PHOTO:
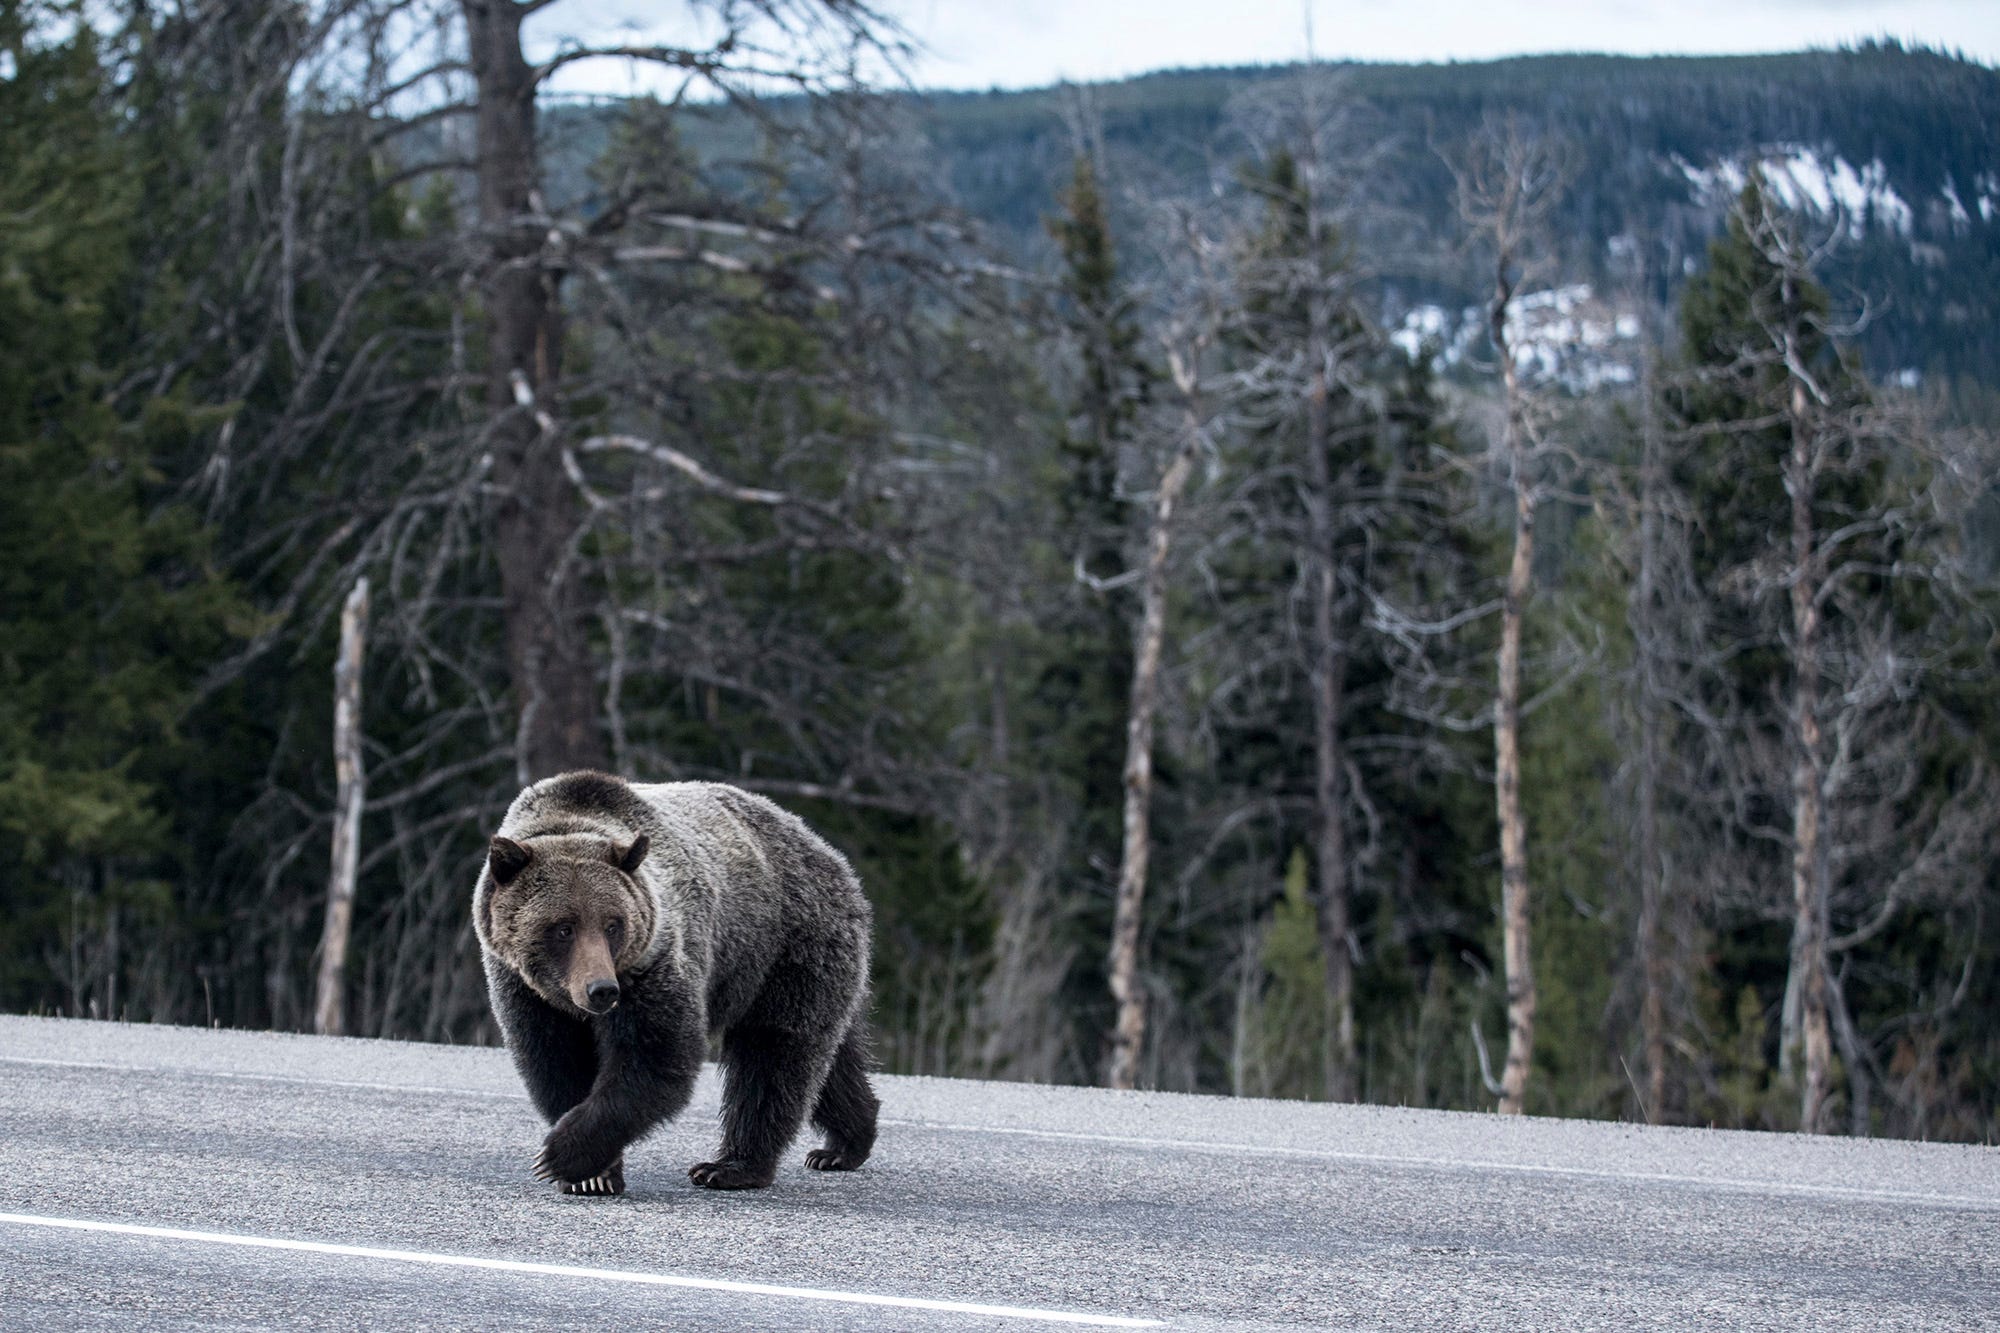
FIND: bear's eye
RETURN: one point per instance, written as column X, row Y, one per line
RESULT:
column 614, row 927
column 565, row 932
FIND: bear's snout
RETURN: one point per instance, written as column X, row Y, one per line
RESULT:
column 602, row 995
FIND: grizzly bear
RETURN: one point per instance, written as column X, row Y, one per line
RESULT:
column 622, row 924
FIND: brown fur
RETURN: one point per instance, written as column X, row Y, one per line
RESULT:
column 568, row 914
column 626, row 925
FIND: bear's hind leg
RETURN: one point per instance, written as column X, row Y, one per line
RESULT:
column 846, row 1107
column 769, row 1077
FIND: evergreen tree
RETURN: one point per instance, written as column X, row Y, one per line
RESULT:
column 1337, row 503
column 109, row 609
column 773, row 645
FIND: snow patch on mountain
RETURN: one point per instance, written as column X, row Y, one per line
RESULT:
column 1960, row 219
column 1805, row 181
column 1435, row 325
column 1567, row 337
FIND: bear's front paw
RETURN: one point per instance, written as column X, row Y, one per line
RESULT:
column 834, row 1159
column 610, row 1181
column 569, row 1156
column 729, row 1176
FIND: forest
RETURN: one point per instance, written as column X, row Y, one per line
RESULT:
column 1312, row 601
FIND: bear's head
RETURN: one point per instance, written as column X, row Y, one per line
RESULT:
column 568, row 916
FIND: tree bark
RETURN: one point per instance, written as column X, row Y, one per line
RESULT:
column 1514, row 905
column 1128, row 1032
column 548, row 655
column 350, row 794
column 1327, row 654
column 1809, row 853
column 110, row 958
column 1860, row 1119
column 1329, row 671
column 1646, row 629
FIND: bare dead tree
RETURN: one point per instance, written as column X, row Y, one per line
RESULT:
column 1129, row 1029
column 1675, row 739
column 1311, row 498
column 536, row 514
column 527, row 255
column 1653, row 963
column 1509, row 182
column 1326, row 357
column 351, row 795
column 1806, row 578
column 444, row 440
column 1648, row 518
column 1867, row 535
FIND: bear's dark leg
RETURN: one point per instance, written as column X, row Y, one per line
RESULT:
column 649, row 1052
column 846, row 1107
column 556, row 1054
column 769, row 1079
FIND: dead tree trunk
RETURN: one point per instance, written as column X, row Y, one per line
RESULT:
column 1508, row 183
column 1646, row 629
column 1514, row 913
column 1128, row 1032
column 1809, row 853
column 1326, row 655
column 1329, row 671
column 548, row 656
column 350, row 793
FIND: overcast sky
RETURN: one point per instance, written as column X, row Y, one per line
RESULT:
column 1023, row 43
column 1026, row 43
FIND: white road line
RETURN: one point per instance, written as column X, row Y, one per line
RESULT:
column 1981, row 1203
column 593, row 1274
column 1978, row 1202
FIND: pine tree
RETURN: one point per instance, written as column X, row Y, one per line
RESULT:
column 1316, row 392
column 109, row 611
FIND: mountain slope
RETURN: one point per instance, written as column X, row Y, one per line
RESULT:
column 1892, row 149
column 1895, row 148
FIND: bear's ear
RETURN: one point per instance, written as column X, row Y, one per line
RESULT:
column 628, row 860
column 508, row 859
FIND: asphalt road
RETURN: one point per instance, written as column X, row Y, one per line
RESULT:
column 180, row 1178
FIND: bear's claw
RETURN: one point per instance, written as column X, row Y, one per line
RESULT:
column 728, row 1176
column 833, row 1159
column 611, row 1180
